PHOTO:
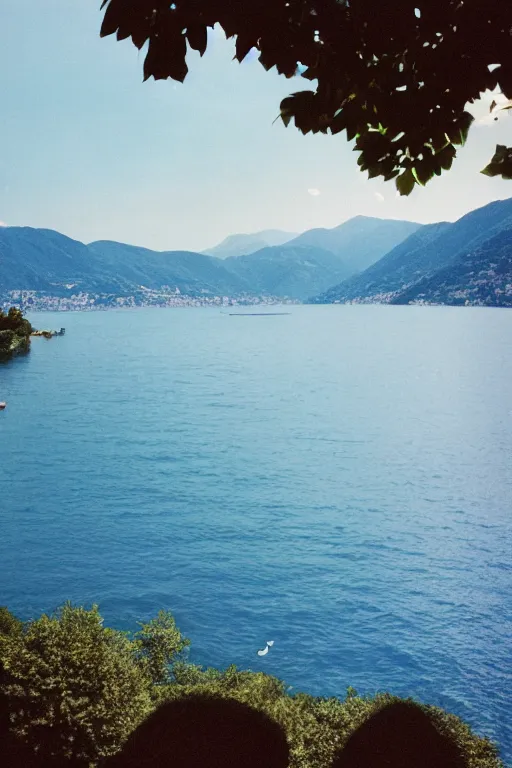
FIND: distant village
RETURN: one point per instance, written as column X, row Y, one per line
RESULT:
column 36, row 301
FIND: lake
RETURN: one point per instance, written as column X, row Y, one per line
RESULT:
column 338, row 480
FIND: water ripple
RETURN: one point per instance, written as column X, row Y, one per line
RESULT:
column 341, row 481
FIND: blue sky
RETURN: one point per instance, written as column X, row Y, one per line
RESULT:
column 88, row 149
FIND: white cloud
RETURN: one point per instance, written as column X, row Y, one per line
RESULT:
column 313, row 192
column 379, row 197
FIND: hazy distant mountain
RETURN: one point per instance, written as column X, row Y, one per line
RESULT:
column 237, row 245
column 360, row 241
column 401, row 266
column 428, row 250
column 288, row 271
column 189, row 271
column 482, row 276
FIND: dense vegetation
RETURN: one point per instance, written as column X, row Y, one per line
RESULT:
column 397, row 80
column 72, row 690
column 15, row 333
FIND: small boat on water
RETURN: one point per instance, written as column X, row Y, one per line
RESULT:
column 3, row 406
column 257, row 314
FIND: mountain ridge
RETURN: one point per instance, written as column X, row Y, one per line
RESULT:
column 49, row 262
column 243, row 244
column 287, row 271
column 435, row 263
column 421, row 255
column 480, row 277
column 360, row 241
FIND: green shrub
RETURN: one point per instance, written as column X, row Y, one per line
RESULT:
column 316, row 727
column 74, row 690
column 9, row 624
column 6, row 339
column 74, row 687
column 157, row 644
column 14, row 321
column 15, row 333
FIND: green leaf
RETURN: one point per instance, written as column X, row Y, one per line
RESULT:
column 405, row 182
column 422, row 174
column 458, row 133
column 501, row 163
column 374, row 170
column 445, row 157
column 493, row 169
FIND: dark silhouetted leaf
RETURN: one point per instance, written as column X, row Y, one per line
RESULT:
column 458, row 132
column 244, row 44
column 166, row 58
column 197, row 37
column 501, row 163
column 445, row 157
column 357, row 54
column 405, row 182
column 504, row 76
column 112, row 18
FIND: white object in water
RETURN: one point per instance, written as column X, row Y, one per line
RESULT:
column 270, row 642
column 264, row 652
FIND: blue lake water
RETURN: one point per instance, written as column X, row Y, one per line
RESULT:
column 338, row 480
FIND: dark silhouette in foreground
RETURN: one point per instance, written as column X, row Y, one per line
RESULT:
column 400, row 735
column 221, row 733
column 205, row 731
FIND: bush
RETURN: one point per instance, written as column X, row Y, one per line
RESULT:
column 9, row 624
column 156, row 644
column 74, row 690
column 14, row 321
column 316, row 728
column 6, row 339
column 15, row 333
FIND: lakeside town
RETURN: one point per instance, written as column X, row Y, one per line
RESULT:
column 37, row 301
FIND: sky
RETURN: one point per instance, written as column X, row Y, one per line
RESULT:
column 88, row 149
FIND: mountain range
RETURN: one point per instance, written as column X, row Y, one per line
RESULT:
column 407, row 272
column 364, row 260
column 46, row 261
